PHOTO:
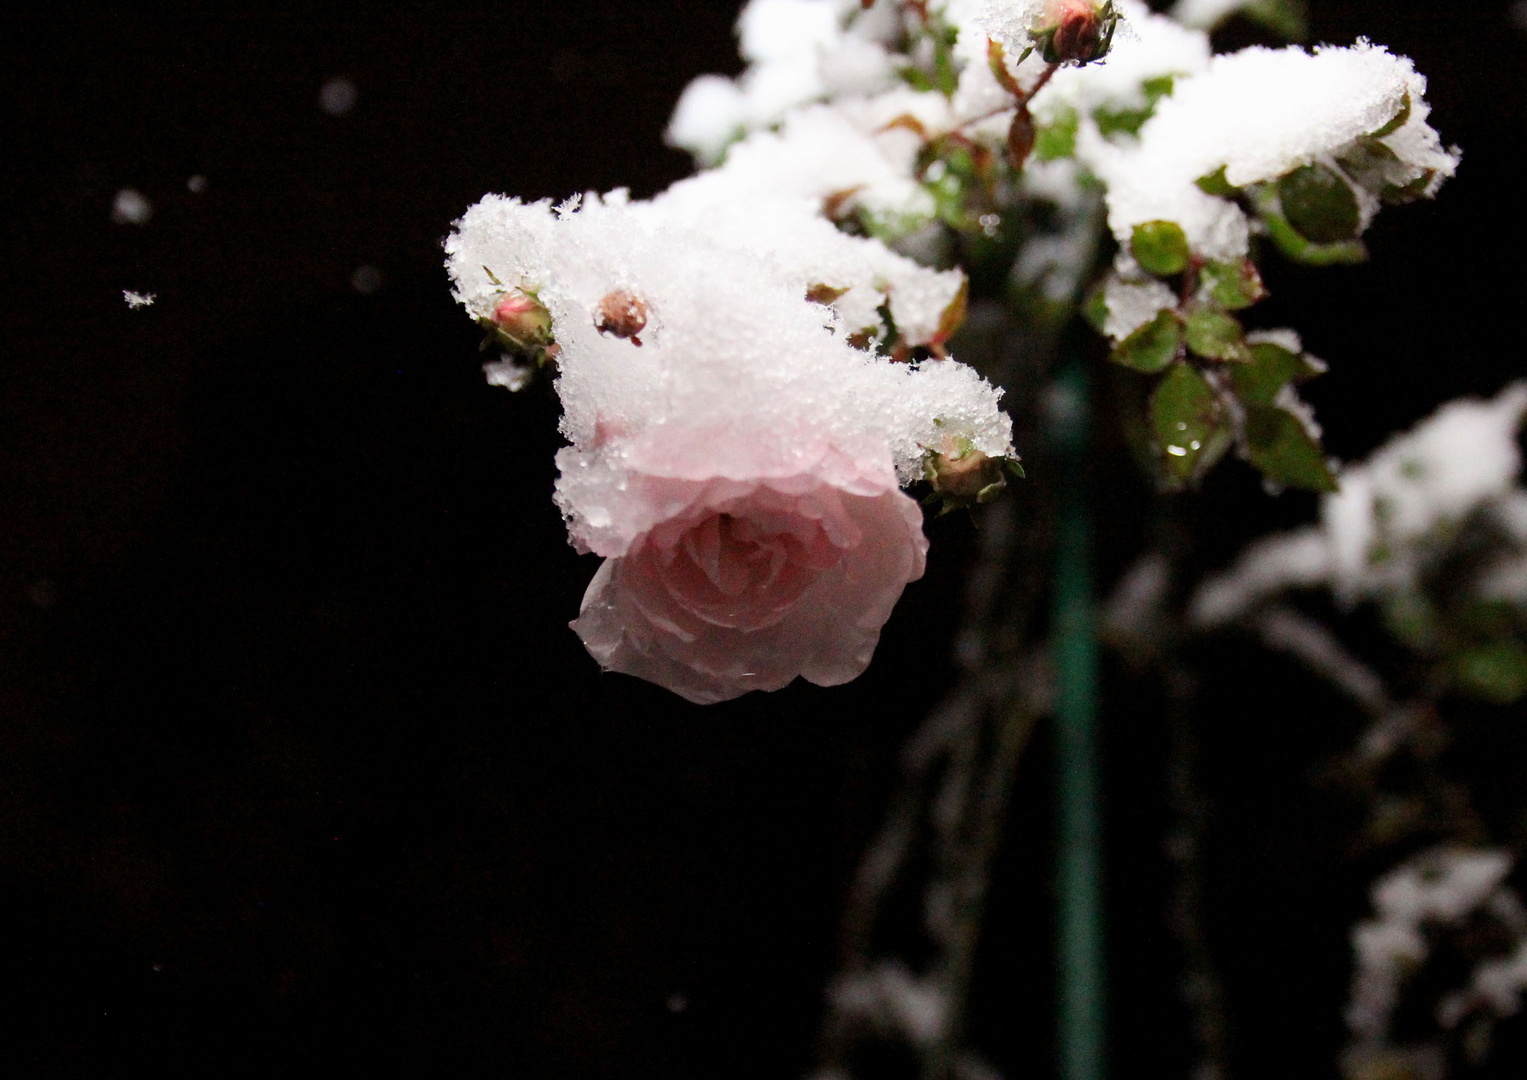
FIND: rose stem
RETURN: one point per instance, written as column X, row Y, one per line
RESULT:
column 1082, row 976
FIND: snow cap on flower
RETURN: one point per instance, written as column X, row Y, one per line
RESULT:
column 736, row 450
column 731, row 342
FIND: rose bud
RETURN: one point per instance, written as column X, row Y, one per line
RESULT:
column 520, row 322
column 1076, row 31
column 623, row 314
column 962, row 479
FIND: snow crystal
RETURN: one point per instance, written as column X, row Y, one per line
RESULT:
column 1285, row 339
column 1010, row 22
column 136, row 300
column 338, row 97
column 509, row 373
column 768, row 196
column 131, row 207
column 820, row 151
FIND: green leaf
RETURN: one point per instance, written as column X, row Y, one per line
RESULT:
column 1057, row 139
column 1496, row 672
column 1216, row 184
column 1400, row 118
column 1376, row 168
column 1112, row 122
column 1216, row 335
column 1373, row 166
column 1188, row 422
column 1319, row 204
column 1153, row 346
column 1234, row 285
column 1279, row 445
column 916, row 78
column 1271, row 367
column 1300, row 248
column 1161, row 247
column 1400, row 194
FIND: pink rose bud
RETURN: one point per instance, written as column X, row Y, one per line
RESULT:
column 1076, row 31
column 623, row 314
column 520, row 321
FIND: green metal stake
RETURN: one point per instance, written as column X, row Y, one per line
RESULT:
column 1079, row 875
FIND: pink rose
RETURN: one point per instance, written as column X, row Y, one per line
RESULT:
column 746, row 561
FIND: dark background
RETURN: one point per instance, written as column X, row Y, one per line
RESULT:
column 301, row 768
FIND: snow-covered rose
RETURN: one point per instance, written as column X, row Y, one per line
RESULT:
column 756, row 562
column 733, row 454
